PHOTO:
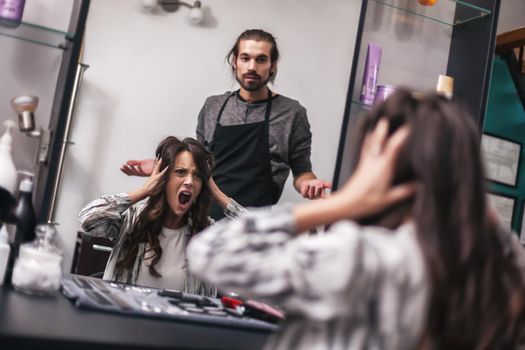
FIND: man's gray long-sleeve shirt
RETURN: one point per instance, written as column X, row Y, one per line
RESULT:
column 290, row 138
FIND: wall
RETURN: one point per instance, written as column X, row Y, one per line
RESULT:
column 150, row 74
column 511, row 15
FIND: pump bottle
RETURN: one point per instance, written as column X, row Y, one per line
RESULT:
column 7, row 172
column 25, row 224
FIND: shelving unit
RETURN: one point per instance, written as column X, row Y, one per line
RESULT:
column 38, row 34
column 471, row 12
column 69, row 42
column 452, row 37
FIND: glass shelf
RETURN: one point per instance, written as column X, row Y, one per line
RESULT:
column 441, row 12
column 36, row 34
column 360, row 107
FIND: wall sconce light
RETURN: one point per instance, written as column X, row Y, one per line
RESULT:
column 196, row 15
column 25, row 107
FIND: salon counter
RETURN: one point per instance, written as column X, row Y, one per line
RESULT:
column 54, row 323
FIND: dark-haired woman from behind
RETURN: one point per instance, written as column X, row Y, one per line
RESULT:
column 413, row 259
column 151, row 226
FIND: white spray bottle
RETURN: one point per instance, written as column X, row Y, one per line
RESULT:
column 8, row 177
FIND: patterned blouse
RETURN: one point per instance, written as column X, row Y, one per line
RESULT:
column 353, row 287
column 113, row 217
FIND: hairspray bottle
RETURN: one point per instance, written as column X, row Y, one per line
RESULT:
column 11, row 12
column 373, row 58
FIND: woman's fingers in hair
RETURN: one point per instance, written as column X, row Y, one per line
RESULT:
column 377, row 141
column 399, row 193
column 156, row 167
column 396, row 142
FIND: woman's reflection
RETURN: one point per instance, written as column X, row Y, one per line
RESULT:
column 152, row 225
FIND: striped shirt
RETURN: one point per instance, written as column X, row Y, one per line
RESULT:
column 114, row 217
column 351, row 288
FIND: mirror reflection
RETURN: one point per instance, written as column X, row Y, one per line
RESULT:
column 151, row 76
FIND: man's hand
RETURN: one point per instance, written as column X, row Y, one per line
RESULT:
column 314, row 189
column 138, row 167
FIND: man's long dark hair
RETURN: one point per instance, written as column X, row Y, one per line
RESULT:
column 257, row 35
column 149, row 222
column 477, row 290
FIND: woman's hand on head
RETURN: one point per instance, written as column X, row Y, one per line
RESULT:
column 371, row 183
column 152, row 185
column 368, row 191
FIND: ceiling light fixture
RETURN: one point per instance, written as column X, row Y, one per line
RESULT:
column 196, row 14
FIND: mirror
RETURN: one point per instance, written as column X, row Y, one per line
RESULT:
column 150, row 74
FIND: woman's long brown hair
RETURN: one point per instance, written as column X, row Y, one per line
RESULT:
column 149, row 222
column 477, row 290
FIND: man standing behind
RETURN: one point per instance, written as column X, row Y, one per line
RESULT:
column 256, row 135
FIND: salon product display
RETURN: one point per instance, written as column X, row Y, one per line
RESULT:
column 101, row 295
column 11, row 12
column 370, row 75
column 37, row 268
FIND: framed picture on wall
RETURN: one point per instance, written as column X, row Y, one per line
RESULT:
column 502, row 158
column 504, row 206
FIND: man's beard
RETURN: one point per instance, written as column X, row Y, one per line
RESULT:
column 254, row 85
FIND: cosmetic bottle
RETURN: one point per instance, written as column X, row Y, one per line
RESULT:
column 24, row 213
column 4, row 253
column 8, row 175
column 373, row 58
column 445, row 86
column 11, row 12
column 24, row 216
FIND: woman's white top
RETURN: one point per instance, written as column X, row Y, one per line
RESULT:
column 172, row 263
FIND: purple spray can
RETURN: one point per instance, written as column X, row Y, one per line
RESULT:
column 373, row 58
column 11, row 12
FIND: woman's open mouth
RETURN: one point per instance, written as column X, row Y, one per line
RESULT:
column 184, row 197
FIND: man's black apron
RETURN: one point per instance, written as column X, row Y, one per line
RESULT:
column 242, row 161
